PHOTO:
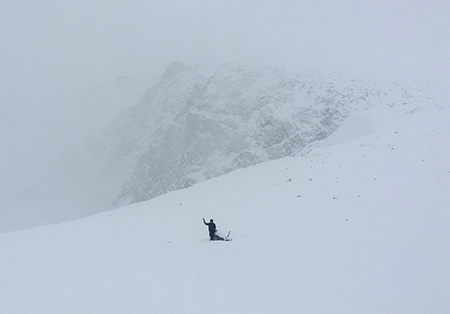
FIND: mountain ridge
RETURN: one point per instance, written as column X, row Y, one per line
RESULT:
column 196, row 123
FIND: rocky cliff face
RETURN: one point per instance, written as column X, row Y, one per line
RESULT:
column 195, row 124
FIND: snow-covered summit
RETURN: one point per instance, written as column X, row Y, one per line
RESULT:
column 196, row 123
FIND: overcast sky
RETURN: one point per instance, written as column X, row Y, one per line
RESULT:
column 85, row 42
column 52, row 49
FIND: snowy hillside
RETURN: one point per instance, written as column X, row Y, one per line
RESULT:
column 357, row 223
column 198, row 123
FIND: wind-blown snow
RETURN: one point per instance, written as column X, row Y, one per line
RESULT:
column 357, row 223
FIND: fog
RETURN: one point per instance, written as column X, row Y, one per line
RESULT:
column 52, row 53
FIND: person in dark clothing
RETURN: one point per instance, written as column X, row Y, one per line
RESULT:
column 212, row 230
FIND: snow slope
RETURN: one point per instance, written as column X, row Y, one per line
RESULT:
column 358, row 223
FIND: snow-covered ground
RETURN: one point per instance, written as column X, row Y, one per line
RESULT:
column 358, row 224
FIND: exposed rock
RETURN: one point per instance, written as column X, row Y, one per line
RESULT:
column 193, row 125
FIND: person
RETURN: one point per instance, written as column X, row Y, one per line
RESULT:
column 212, row 230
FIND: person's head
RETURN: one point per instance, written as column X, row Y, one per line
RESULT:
column 211, row 220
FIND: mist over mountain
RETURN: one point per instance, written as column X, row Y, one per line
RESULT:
column 55, row 180
column 151, row 134
column 196, row 123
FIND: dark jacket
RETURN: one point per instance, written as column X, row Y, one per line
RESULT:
column 211, row 227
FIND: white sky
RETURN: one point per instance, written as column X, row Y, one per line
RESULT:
column 87, row 42
column 50, row 49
